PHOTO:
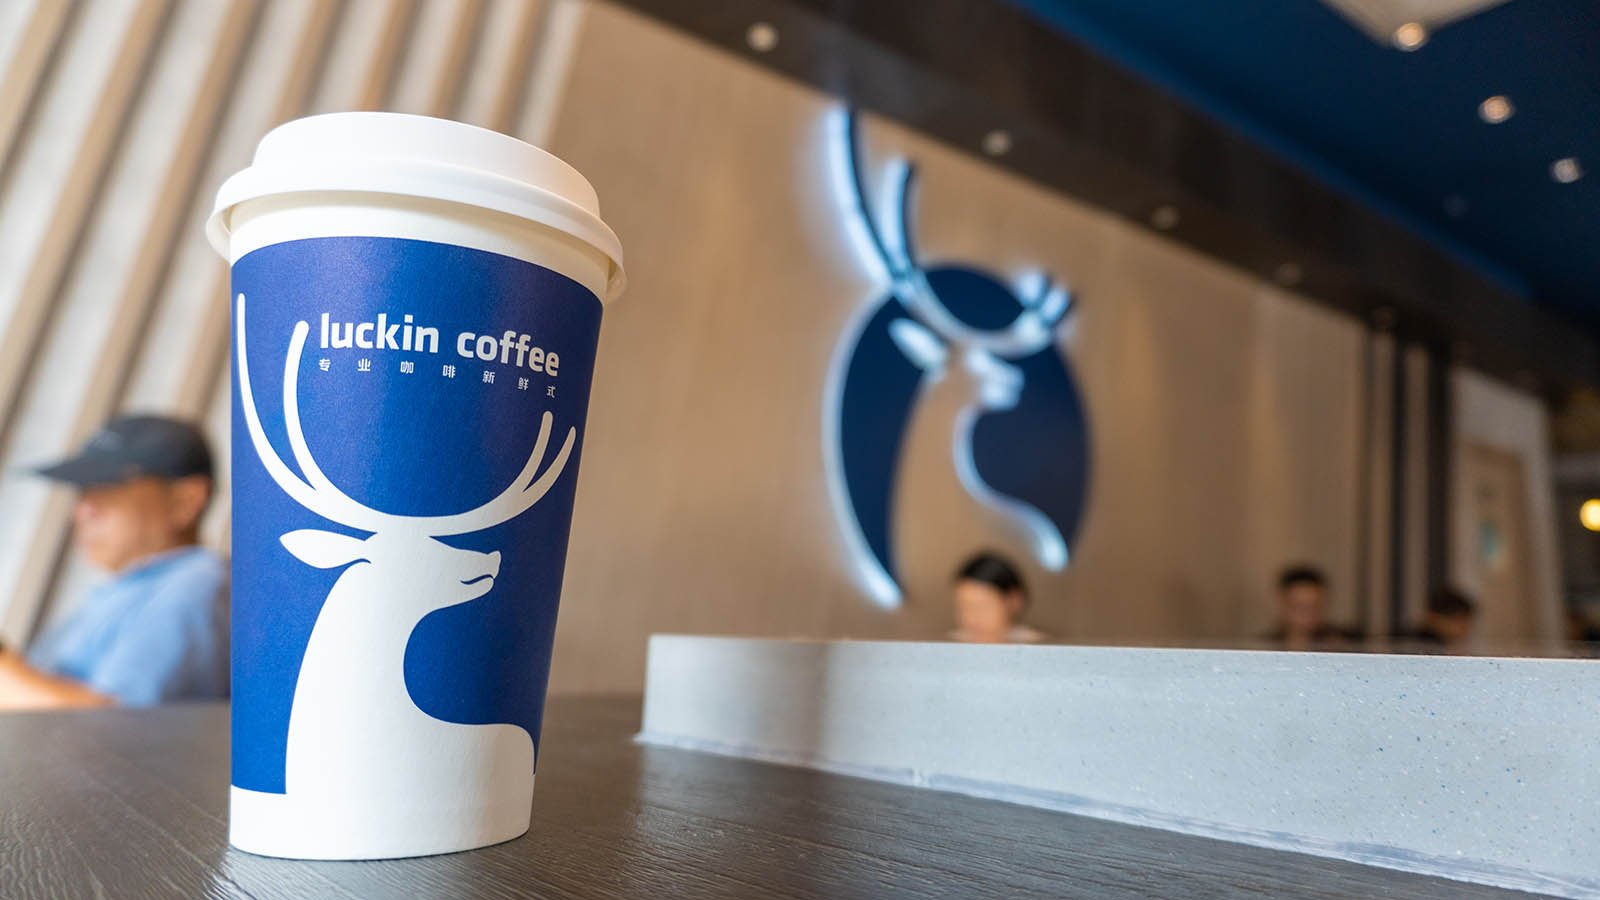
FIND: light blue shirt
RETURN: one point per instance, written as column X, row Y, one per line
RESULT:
column 155, row 633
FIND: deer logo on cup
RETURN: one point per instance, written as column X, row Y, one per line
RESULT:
column 1020, row 444
column 356, row 739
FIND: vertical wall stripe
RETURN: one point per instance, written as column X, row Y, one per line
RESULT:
column 443, row 38
column 552, row 60
column 1400, row 492
column 386, row 59
column 1440, row 469
column 211, row 341
column 1380, row 426
column 359, row 67
column 35, row 51
column 1364, row 477
column 458, row 51
column 1418, row 441
column 31, row 315
column 512, row 83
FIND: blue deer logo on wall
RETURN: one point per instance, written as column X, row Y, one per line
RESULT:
column 1021, row 448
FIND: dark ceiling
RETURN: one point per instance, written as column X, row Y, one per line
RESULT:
column 1401, row 130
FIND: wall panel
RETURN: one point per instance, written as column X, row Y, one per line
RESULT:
column 1224, row 412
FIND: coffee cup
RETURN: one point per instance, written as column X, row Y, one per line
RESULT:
column 417, row 305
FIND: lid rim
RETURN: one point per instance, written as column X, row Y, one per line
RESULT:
column 430, row 179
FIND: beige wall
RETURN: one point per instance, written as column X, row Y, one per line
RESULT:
column 1513, row 423
column 1225, row 413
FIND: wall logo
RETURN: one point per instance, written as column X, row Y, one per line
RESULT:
column 356, row 737
column 1020, row 449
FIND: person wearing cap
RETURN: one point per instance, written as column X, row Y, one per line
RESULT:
column 157, row 630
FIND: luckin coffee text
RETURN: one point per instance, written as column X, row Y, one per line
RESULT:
column 507, row 348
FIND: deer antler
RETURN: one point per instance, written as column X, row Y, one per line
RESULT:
column 1034, row 327
column 303, row 493
column 338, row 505
column 325, row 498
column 516, row 498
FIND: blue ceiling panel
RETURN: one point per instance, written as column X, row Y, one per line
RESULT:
column 1400, row 130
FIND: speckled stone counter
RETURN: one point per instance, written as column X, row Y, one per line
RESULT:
column 1479, row 769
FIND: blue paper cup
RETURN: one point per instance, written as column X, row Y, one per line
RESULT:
column 416, row 308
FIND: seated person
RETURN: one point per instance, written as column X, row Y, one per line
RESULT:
column 990, row 600
column 157, row 631
column 1302, row 611
column 1447, row 625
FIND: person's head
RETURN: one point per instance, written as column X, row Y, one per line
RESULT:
column 1302, row 599
column 143, row 482
column 1450, row 615
column 989, row 598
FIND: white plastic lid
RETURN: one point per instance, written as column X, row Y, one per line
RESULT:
column 419, row 156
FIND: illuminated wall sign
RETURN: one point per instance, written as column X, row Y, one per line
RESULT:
column 1021, row 448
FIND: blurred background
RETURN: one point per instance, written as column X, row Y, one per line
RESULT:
column 1334, row 276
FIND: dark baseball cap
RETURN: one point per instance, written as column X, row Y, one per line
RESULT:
column 133, row 447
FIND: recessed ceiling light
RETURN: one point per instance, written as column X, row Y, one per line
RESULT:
column 1410, row 36
column 1566, row 170
column 1455, row 206
column 762, row 37
column 1288, row 274
column 997, row 142
column 1164, row 217
column 1496, row 109
column 1589, row 514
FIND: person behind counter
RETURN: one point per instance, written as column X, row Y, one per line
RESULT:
column 990, row 601
column 1302, row 611
column 1447, row 625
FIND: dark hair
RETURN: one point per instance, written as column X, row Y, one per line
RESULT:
column 1301, row 574
column 1450, row 602
column 994, row 570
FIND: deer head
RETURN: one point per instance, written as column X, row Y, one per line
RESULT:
column 404, row 546
column 1041, row 309
column 999, row 383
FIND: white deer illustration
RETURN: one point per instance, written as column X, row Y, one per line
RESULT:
column 993, row 385
column 363, row 761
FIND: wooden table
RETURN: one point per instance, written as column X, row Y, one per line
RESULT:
column 128, row 804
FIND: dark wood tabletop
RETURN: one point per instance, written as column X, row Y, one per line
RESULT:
column 132, row 804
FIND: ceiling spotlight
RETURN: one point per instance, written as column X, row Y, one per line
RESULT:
column 1455, row 206
column 1496, row 109
column 1410, row 36
column 1287, row 274
column 762, row 37
column 1566, row 170
column 997, row 142
column 1589, row 514
column 1164, row 218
